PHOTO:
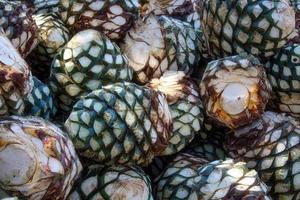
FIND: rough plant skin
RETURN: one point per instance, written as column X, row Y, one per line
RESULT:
column 296, row 4
column 157, row 44
column 170, row 7
column 271, row 146
column 40, row 102
column 16, row 24
column 259, row 27
column 43, row 6
column 86, row 63
column 119, row 182
column 112, row 17
column 37, row 160
column 284, row 76
column 190, row 177
column 122, row 123
column 235, row 90
column 52, row 37
column 15, row 79
column 185, row 106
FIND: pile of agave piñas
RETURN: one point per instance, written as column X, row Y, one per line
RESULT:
column 150, row 99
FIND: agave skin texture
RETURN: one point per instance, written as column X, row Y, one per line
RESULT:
column 40, row 102
column 259, row 27
column 270, row 145
column 86, row 63
column 160, row 43
column 112, row 17
column 15, row 79
column 112, row 183
column 283, row 73
column 185, row 106
column 122, row 123
column 192, row 177
column 18, row 25
column 235, row 90
column 37, row 160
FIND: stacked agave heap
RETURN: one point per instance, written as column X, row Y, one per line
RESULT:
column 18, row 25
column 118, row 126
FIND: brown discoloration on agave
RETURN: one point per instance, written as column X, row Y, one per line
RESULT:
column 157, row 44
column 29, row 167
column 170, row 7
column 176, row 86
column 18, row 25
column 235, row 90
column 15, row 78
column 161, row 119
column 113, row 18
column 185, row 106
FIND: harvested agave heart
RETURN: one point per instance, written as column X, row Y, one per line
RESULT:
column 190, row 177
column 235, row 90
column 15, row 79
column 157, row 44
column 17, row 24
column 283, row 71
column 271, row 146
column 52, row 37
column 37, row 160
column 112, row 17
column 120, row 182
column 185, row 106
column 122, row 123
column 40, row 102
column 43, row 6
column 86, row 63
column 258, row 27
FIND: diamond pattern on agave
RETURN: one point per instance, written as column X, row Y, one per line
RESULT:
column 121, row 123
column 190, row 177
column 258, row 27
column 86, row 63
column 270, row 145
column 121, row 182
column 15, row 79
column 185, row 106
column 37, row 160
column 112, row 17
column 40, row 102
column 52, row 37
column 283, row 71
column 235, row 90
column 170, row 7
column 17, row 24
column 43, row 6
column 156, row 44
